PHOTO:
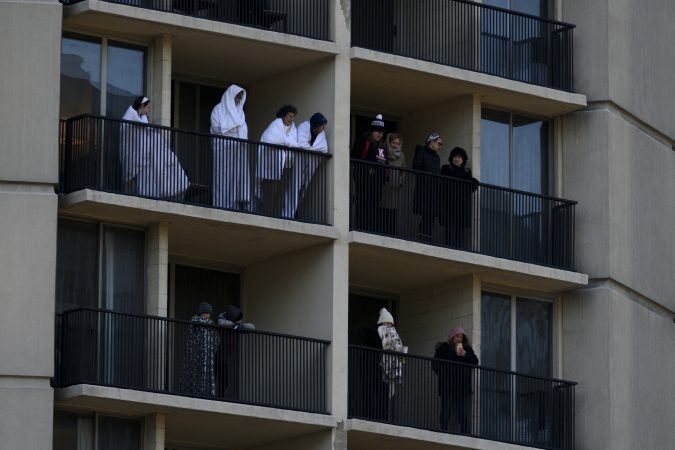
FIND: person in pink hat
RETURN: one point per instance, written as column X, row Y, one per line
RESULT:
column 455, row 380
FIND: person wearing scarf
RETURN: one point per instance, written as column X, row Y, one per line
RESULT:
column 311, row 136
column 392, row 192
column 231, row 179
column 149, row 166
column 272, row 159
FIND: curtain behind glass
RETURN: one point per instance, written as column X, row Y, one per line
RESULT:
column 123, row 282
column 495, row 319
column 534, row 337
column 76, row 265
column 115, row 434
column 80, row 77
column 530, row 155
column 494, row 148
column 126, row 78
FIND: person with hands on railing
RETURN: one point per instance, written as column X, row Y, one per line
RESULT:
column 457, row 206
column 392, row 192
column 311, row 136
column 232, row 318
column 455, row 380
column 199, row 366
column 271, row 160
column 369, row 179
column 231, row 178
column 149, row 166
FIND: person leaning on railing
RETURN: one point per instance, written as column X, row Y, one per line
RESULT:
column 454, row 380
column 427, row 188
column 392, row 192
column 199, row 370
column 456, row 216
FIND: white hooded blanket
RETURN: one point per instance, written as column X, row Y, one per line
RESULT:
column 271, row 161
column 149, row 166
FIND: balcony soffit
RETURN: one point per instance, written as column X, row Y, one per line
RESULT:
column 403, row 266
column 204, row 48
column 400, row 85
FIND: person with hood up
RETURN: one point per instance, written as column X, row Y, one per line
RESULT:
column 392, row 366
column 199, row 366
column 229, row 354
column 392, row 192
column 369, row 178
column 457, row 216
column 311, row 136
column 149, row 166
column 427, row 187
column 455, row 380
column 231, row 177
column 271, row 159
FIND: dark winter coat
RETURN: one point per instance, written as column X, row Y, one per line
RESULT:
column 427, row 188
column 454, row 379
column 367, row 149
column 199, row 374
column 458, row 191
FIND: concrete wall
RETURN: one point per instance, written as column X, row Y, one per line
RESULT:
column 323, row 440
column 454, row 121
column 618, row 45
column 29, row 108
column 426, row 316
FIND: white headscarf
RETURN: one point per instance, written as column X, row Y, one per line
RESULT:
column 228, row 118
column 132, row 114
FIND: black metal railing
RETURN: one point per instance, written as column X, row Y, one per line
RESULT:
column 438, row 395
column 169, row 356
column 188, row 167
column 465, row 215
column 468, row 35
column 297, row 17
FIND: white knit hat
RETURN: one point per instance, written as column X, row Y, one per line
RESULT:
column 385, row 317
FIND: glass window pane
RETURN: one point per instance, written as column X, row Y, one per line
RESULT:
column 73, row 431
column 495, row 319
column 530, row 155
column 115, row 433
column 535, row 7
column 80, row 77
column 124, row 270
column 534, row 337
column 76, row 265
column 194, row 285
column 126, row 78
column 494, row 147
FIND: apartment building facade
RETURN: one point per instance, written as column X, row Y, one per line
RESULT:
column 561, row 275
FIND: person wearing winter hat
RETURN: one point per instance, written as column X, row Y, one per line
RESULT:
column 232, row 318
column 228, row 359
column 311, row 136
column 393, row 191
column 455, row 380
column 199, row 369
column 457, row 211
column 369, row 177
column 427, row 188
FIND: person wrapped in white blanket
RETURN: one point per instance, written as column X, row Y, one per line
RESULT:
column 149, row 166
column 311, row 136
column 271, row 160
column 231, row 177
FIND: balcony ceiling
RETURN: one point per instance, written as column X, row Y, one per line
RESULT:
column 202, row 49
column 404, row 266
column 398, row 85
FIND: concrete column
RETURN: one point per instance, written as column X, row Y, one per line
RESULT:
column 157, row 238
column 161, row 80
column 30, row 32
column 155, row 431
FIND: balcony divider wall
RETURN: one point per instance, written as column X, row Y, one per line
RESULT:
column 156, row 354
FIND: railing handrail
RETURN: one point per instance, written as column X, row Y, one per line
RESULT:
column 188, row 322
column 195, row 133
column 458, row 363
column 516, row 13
column 445, row 177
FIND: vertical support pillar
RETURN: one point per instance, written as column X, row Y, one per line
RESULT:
column 157, row 269
column 155, row 431
column 161, row 80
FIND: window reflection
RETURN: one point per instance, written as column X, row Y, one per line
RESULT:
column 80, row 77
column 125, row 80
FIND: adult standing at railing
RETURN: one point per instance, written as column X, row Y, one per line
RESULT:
column 311, row 136
column 427, row 188
column 199, row 365
column 231, row 177
column 369, row 178
column 392, row 366
column 149, row 166
column 392, row 193
column 456, row 215
column 271, row 160
column 455, row 380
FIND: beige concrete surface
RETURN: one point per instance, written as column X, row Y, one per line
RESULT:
column 26, row 405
